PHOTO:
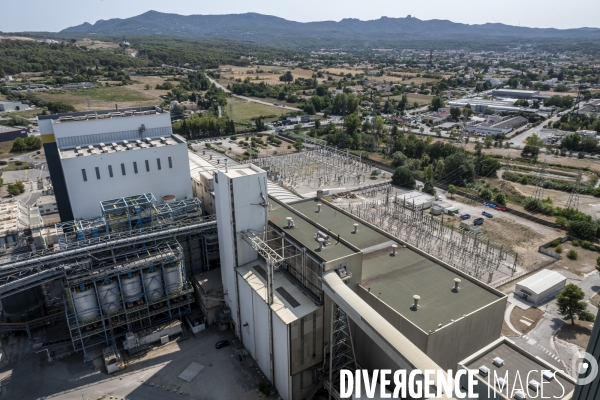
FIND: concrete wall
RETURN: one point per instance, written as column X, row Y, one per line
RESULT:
column 456, row 341
column 306, row 345
column 85, row 196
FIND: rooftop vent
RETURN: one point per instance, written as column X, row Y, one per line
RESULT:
column 534, row 385
column 319, row 207
column 501, row 383
column 484, row 371
column 394, row 248
column 548, row 375
column 498, row 362
column 125, row 142
column 520, row 395
column 290, row 222
column 355, row 228
column 456, row 284
column 101, row 144
column 320, row 240
column 416, row 299
column 322, row 235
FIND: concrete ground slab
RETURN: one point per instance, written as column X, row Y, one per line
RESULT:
column 519, row 302
column 191, row 371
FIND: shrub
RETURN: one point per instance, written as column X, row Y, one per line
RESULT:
column 562, row 221
column 3, row 162
column 500, row 199
column 572, row 255
column 558, row 249
column 586, row 244
column 583, row 229
column 233, row 137
column 555, row 243
column 289, row 147
column 598, row 263
column 575, row 242
column 587, row 316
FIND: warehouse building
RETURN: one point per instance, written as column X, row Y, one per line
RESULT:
column 12, row 132
column 541, row 286
column 8, row 106
column 518, row 94
column 511, row 366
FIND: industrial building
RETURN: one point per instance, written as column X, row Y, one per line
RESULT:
column 479, row 104
column 12, row 132
column 502, row 364
column 415, row 200
column 541, row 286
column 494, row 127
column 518, row 94
column 302, row 274
column 101, row 155
column 8, row 106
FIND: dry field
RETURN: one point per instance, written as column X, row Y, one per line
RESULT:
column 102, row 97
column 96, row 44
column 152, row 81
column 587, row 204
column 585, row 263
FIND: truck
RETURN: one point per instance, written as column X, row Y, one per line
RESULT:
column 478, row 221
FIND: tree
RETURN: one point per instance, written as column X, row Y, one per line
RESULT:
column 500, row 199
column 428, row 188
column 298, row 144
column 455, row 112
column 15, row 188
column 399, row 159
column 459, row 168
column 18, row 145
column 352, row 123
column 436, row 103
column 452, row 190
column 586, row 230
column 287, row 77
column 317, row 123
column 428, row 172
column 403, row 177
column 485, row 194
column 570, row 304
column 489, row 140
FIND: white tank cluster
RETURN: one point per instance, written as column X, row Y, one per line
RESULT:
column 153, row 282
column 85, row 302
column 110, row 295
column 173, row 277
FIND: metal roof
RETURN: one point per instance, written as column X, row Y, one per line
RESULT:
column 542, row 281
column 396, row 279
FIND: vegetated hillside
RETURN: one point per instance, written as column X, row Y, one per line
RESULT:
column 268, row 29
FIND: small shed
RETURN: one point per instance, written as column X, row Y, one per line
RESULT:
column 541, row 286
column 415, row 200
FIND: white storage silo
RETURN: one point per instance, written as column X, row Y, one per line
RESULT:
column 85, row 302
column 153, row 282
column 173, row 276
column 109, row 295
column 132, row 287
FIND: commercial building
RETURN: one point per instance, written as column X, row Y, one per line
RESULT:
column 94, row 156
column 513, row 93
column 541, row 286
column 479, row 104
column 502, row 366
column 491, row 127
column 12, row 132
column 8, row 106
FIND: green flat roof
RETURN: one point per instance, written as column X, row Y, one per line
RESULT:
column 340, row 223
column 303, row 232
column 398, row 278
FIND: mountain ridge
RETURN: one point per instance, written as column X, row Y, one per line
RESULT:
column 263, row 28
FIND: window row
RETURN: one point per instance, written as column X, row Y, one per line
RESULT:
column 123, row 169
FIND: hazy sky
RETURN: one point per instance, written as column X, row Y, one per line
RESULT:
column 54, row 15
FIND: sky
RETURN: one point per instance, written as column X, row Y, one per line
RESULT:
column 55, row 15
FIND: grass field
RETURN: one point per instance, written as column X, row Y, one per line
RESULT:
column 103, row 97
column 244, row 111
column 412, row 97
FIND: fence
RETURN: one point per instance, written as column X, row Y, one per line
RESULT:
column 521, row 274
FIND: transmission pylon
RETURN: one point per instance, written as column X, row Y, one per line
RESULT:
column 538, row 193
column 573, row 201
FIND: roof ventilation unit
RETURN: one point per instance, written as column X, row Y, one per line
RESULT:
column 484, row 371
column 501, row 383
column 394, row 248
column 320, row 240
column 520, row 395
column 319, row 207
column 548, row 375
column 534, row 385
column 498, row 362
column 355, row 228
column 290, row 222
column 456, row 284
column 416, row 299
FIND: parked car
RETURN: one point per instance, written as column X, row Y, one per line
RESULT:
column 221, row 344
column 500, row 208
column 478, row 221
column 487, row 214
column 465, row 216
column 491, row 205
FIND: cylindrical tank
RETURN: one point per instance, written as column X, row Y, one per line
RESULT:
column 168, row 198
column 85, row 302
column 173, row 277
column 132, row 287
column 109, row 294
column 153, row 282
column 24, row 306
